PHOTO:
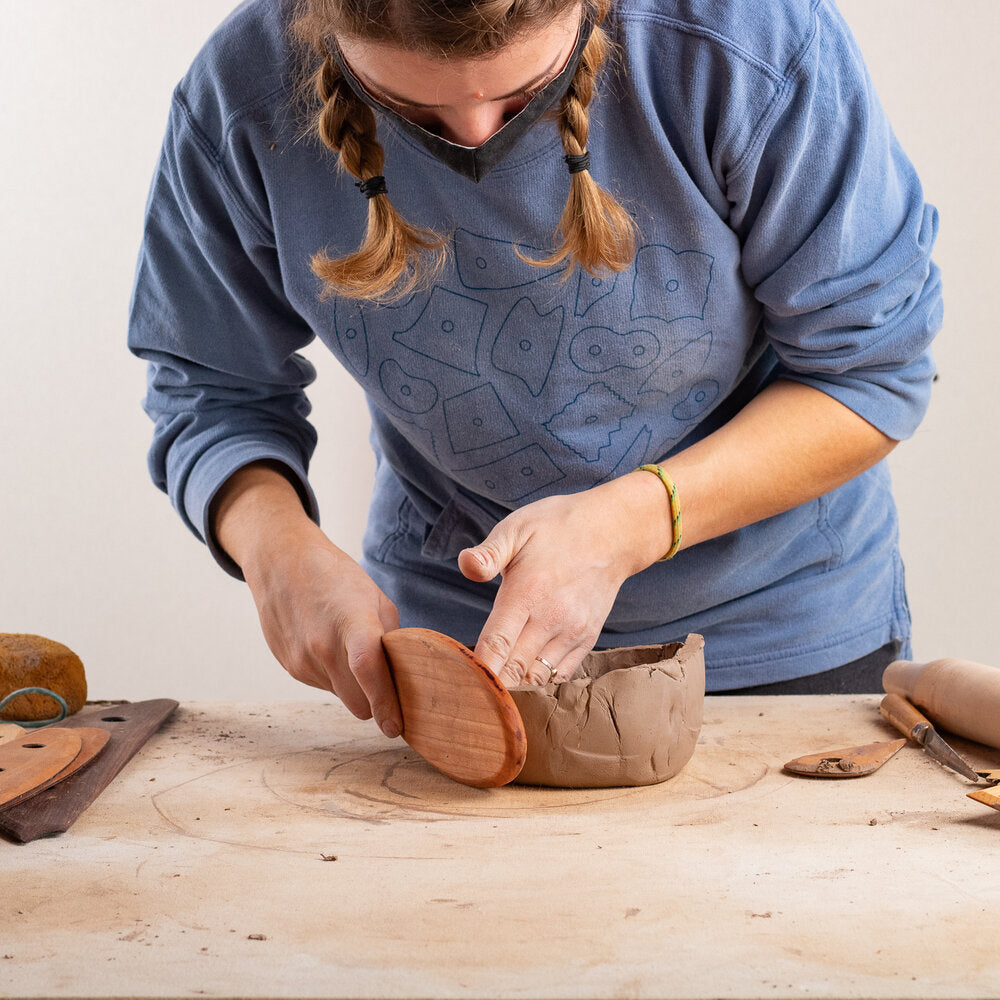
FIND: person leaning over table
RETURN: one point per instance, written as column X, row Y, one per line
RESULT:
column 554, row 242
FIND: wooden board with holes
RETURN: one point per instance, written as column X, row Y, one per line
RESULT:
column 54, row 810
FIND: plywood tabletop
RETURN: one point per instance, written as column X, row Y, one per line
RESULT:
column 290, row 850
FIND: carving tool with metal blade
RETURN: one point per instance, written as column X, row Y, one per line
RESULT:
column 896, row 710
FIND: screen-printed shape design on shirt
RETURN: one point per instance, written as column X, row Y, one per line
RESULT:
column 633, row 457
column 584, row 424
column 680, row 367
column 590, row 289
column 408, row 392
column 447, row 330
column 699, row 398
column 477, row 419
column 526, row 344
column 484, row 262
column 515, row 476
column 670, row 284
column 349, row 327
column 599, row 349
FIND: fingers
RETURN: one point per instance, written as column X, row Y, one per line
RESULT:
column 496, row 642
column 556, row 660
column 490, row 557
column 368, row 666
column 560, row 576
column 365, row 686
column 513, row 644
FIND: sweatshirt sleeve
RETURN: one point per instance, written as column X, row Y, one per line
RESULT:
column 836, row 236
column 225, row 384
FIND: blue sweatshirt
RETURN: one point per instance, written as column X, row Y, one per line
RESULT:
column 783, row 234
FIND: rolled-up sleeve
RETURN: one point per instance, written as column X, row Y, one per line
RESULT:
column 837, row 238
column 225, row 379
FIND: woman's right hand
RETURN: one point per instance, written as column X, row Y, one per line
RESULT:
column 322, row 616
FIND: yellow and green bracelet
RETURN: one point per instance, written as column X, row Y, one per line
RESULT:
column 675, row 508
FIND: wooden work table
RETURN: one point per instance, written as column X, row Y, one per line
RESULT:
column 289, row 850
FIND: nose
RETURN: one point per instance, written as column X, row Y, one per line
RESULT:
column 473, row 125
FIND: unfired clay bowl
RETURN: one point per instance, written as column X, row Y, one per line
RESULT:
column 628, row 716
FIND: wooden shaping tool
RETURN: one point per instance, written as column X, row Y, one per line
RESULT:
column 28, row 761
column 988, row 796
column 850, row 763
column 456, row 714
column 92, row 742
column 57, row 808
column 10, row 731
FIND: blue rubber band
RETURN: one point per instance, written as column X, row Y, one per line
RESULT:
column 35, row 723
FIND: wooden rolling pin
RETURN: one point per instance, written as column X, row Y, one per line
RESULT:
column 962, row 696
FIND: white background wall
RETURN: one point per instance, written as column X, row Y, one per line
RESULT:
column 92, row 555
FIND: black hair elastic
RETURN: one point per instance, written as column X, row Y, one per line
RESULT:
column 372, row 187
column 578, row 163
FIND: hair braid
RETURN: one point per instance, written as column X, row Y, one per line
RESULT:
column 395, row 257
column 597, row 233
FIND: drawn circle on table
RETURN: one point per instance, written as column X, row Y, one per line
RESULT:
column 356, row 780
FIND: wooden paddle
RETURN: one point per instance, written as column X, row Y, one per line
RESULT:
column 92, row 742
column 10, row 731
column 852, row 762
column 456, row 714
column 30, row 760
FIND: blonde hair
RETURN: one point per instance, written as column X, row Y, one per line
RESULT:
column 396, row 257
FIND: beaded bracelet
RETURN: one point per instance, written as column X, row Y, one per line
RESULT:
column 675, row 509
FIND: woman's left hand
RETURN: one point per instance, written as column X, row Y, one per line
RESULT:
column 563, row 560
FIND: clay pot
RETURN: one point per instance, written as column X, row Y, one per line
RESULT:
column 628, row 716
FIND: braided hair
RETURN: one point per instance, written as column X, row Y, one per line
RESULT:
column 396, row 257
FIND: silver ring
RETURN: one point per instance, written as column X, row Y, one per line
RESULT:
column 545, row 663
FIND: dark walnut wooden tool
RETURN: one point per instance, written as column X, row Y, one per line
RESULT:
column 851, row 762
column 57, row 808
column 456, row 714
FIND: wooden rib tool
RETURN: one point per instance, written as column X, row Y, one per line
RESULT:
column 456, row 714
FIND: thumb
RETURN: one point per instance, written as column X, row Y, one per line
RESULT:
column 489, row 558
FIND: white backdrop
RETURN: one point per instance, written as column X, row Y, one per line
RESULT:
column 93, row 556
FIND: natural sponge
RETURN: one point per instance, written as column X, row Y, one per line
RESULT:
column 34, row 661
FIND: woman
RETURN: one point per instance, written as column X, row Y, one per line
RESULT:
column 554, row 243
